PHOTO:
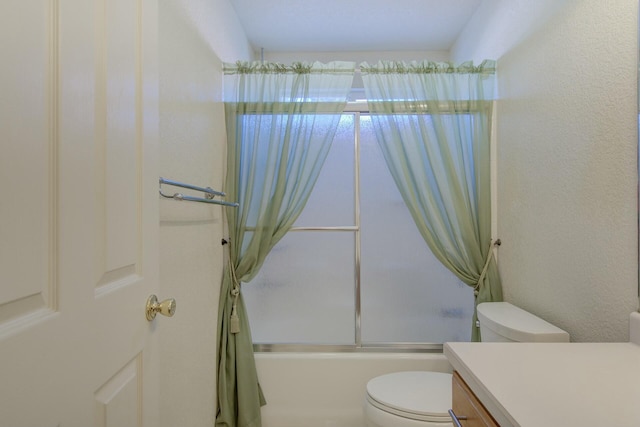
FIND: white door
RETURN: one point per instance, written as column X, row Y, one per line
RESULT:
column 78, row 212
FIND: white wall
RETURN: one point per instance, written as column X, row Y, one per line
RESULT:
column 567, row 147
column 193, row 35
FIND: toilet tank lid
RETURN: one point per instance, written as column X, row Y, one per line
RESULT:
column 517, row 324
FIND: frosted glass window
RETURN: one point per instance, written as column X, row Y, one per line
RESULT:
column 407, row 294
column 320, row 209
column 304, row 292
column 332, row 201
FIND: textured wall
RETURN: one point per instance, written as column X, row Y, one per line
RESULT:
column 193, row 34
column 567, row 147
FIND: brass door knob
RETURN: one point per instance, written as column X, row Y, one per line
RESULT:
column 166, row 307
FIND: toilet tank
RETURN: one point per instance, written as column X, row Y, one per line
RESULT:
column 504, row 322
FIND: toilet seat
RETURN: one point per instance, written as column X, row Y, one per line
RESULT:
column 416, row 395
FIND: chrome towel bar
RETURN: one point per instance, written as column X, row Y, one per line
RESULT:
column 209, row 193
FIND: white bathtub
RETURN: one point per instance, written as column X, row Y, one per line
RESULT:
column 327, row 389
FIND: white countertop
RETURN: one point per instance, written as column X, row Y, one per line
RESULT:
column 553, row 384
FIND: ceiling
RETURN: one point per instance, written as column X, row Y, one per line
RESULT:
column 353, row 25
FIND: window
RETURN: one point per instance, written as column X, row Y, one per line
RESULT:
column 354, row 272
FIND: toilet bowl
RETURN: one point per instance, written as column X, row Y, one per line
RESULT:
column 422, row 399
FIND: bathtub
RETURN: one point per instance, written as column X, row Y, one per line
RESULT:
column 327, row 389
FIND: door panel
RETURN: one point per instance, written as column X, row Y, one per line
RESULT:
column 117, row 163
column 27, row 165
column 79, row 234
column 118, row 400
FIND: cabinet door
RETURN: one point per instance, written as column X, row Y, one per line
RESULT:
column 467, row 407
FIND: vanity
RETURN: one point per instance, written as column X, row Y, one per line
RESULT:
column 466, row 402
column 550, row 384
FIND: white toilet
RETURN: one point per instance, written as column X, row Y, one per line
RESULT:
column 422, row 399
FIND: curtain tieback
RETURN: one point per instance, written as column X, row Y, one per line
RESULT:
column 476, row 288
column 234, row 320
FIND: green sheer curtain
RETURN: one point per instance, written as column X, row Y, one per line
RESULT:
column 433, row 124
column 280, row 121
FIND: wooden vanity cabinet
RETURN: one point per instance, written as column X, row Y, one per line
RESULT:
column 467, row 407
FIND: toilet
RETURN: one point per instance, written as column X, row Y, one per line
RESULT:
column 422, row 399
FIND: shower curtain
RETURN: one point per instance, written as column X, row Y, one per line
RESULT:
column 280, row 121
column 433, row 124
